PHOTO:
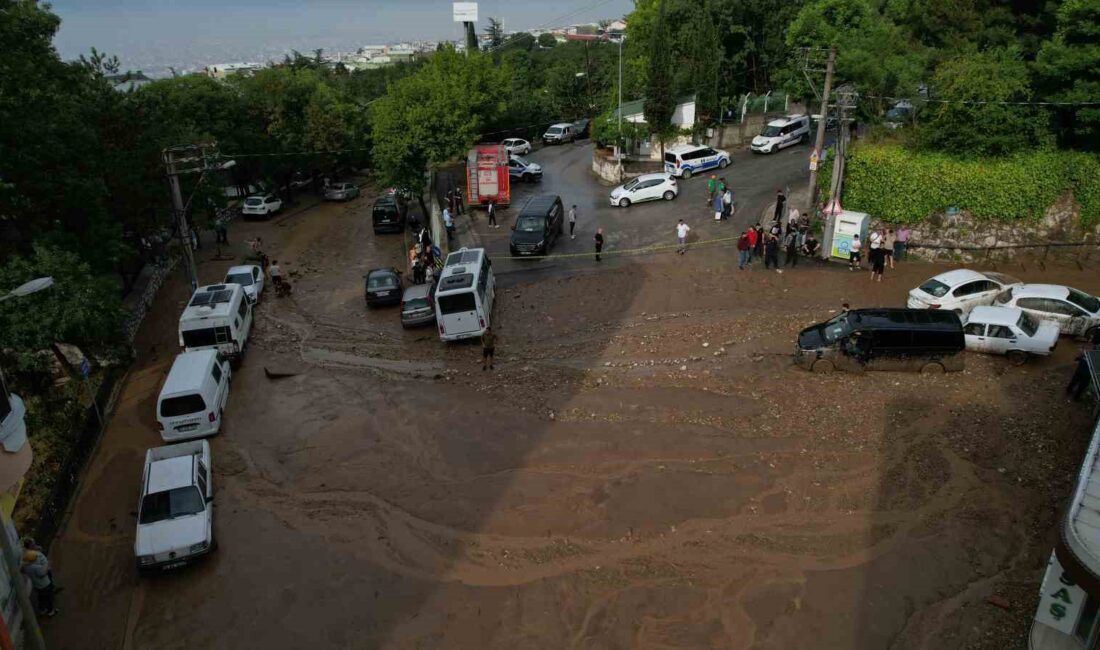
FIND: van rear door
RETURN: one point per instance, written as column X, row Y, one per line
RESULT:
column 458, row 313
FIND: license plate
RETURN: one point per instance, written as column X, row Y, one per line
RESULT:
column 187, row 427
column 383, row 293
column 174, row 565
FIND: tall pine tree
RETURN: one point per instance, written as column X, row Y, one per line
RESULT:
column 659, row 103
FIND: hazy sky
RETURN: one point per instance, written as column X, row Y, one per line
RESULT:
column 153, row 34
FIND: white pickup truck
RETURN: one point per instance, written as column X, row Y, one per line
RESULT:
column 176, row 511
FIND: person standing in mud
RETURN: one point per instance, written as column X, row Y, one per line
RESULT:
column 599, row 242
column 488, row 348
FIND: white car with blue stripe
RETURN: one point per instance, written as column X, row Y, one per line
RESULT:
column 688, row 159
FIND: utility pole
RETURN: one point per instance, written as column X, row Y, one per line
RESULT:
column 819, row 142
column 846, row 99
column 187, row 159
column 588, row 82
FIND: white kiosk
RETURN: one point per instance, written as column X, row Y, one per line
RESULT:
column 840, row 229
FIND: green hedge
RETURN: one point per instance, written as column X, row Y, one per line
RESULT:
column 905, row 186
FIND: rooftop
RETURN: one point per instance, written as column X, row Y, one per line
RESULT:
column 185, row 369
column 170, row 473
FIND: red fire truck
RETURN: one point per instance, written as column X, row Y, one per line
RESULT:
column 487, row 176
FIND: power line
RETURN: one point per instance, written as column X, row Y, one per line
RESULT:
column 983, row 102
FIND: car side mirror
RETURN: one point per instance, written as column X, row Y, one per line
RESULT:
column 209, row 498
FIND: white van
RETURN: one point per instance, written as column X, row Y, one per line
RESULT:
column 176, row 510
column 464, row 296
column 784, row 132
column 219, row 317
column 688, row 159
column 194, row 396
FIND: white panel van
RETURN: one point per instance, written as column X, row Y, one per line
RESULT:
column 194, row 395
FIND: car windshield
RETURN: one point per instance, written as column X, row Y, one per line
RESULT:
column 631, row 185
column 243, row 279
column 1000, row 278
column 836, row 328
column 170, row 504
column 416, row 303
column 520, row 161
column 1028, row 324
column 254, row 201
column 1089, row 303
column 770, row 131
column 530, row 224
column 935, row 287
column 381, row 281
column 554, row 129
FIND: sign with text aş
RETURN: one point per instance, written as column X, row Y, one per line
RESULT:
column 465, row 12
column 1060, row 600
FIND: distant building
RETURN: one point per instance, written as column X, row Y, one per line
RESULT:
column 683, row 116
column 223, row 70
column 127, row 81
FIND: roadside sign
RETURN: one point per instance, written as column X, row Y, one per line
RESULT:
column 85, row 368
column 813, row 160
column 465, row 12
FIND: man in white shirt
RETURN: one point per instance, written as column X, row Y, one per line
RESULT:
column 682, row 230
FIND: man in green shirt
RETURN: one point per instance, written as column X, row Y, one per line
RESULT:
column 712, row 185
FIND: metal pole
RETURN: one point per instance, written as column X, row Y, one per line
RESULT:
column 620, row 93
column 820, row 141
column 30, row 620
column 838, row 159
column 185, row 235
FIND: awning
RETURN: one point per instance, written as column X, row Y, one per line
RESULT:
column 1078, row 547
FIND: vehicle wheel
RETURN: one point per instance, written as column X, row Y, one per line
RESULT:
column 527, row 178
column 669, row 195
column 624, row 203
column 932, row 368
column 722, row 164
column 1017, row 357
column 823, row 366
column 687, row 174
column 959, row 312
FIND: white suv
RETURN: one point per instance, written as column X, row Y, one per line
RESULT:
column 261, row 205
column 781, row 133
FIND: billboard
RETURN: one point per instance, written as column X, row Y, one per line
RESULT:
column 465, row 12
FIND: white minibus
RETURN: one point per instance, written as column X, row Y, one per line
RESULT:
column 218, row 317
column 464, row 295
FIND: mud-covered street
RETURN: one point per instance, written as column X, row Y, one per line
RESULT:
column 644, row 469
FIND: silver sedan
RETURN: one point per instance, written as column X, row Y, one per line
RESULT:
column 341, row 192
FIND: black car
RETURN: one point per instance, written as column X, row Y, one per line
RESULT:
column 389, row 213
column 538, row 226
column 382, row 287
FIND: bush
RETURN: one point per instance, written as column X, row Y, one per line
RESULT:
column 902, row 185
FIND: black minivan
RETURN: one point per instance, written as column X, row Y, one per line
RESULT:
column 539, row 224
column 388, row 214
column 928, row 340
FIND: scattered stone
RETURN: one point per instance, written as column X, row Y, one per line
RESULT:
column 706, row 344
column 998, row 601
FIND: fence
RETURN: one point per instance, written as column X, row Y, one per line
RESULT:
column 1084, row 251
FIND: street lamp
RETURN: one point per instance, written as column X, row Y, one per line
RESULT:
column 30, row 621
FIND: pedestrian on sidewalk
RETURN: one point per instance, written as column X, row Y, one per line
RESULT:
column 488, row 347
column 727, row 204
column 721, row 186
column 758, row 241
column 780, row 204
column 36, row 566
column 221, row 232
column 790, row 244
column 855, row 254
column 744, row 249
column 771, row 252
column 901, row 243
column 572, row 221
column 449, row 224
column 717, row 207
column 1081, row 379
column 418, row 269
column 712, row 186
column 753, row 237
column 599, row 242
column 493, row 214
column 776, row 230
column 888, row 245
column 875, row 242
column 792, row 219
column 682, row 230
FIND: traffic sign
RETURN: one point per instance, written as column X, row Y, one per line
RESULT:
column 85, row 368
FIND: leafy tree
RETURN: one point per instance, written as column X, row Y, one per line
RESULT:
column 495, row 32
column 1069, row 70
column 546, row 39
column 659, row 102
column 82, row 307
column 434, row 115
column 968, row 117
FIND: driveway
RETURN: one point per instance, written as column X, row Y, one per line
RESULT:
column 567, row 172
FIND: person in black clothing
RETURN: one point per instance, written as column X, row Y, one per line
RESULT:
column 760, row 236
column 1081, row 379
column 780, row 204
column 771, row 252
column 493, row 214
column 599, row 242
column 790, row 242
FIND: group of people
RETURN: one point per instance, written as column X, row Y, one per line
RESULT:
column 423, row 256
column 883, row 244
column 271, row 267
column 721, row 198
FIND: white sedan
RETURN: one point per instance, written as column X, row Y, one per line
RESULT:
column 251, row 279
column 1074, row 312
column 1009, row 331
column 647, row 187
column 960, row 290
column 517, row 146
column 261, row 205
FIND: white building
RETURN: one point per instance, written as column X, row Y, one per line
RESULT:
column 223, row 70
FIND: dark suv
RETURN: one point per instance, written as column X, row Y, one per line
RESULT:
column 388, row 214
column 539, row 224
